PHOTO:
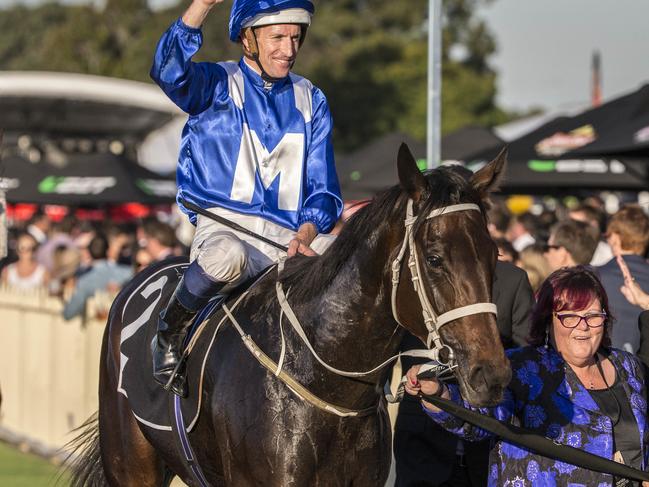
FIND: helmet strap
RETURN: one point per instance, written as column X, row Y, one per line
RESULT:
column 253, row 50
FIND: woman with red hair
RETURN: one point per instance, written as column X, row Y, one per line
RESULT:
column 567, row 385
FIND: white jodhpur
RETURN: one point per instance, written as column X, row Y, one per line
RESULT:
column 233, row 257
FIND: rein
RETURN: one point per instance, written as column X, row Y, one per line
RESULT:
column 298, row 389
column 540, row 444
column 433, row 321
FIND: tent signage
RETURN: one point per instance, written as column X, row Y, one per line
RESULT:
column 641, row 135
column 593, row 166
column 562, row 142
column 76, row 185
column 158, row 187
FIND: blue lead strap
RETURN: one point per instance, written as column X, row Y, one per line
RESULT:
column 186, row 447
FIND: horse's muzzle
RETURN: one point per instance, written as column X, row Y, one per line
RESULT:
column 486, row 382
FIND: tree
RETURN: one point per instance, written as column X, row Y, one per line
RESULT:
column 368, row 56
column 375, row 73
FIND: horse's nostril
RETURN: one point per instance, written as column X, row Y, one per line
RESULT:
column 485, row 378
column 478, row 378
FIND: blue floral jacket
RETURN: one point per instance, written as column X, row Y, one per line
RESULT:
column 546, row 397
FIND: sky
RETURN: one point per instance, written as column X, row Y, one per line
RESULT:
column 545, row 49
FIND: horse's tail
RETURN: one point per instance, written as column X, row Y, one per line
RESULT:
column 84, row 459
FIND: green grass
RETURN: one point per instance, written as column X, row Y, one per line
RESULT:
column 24, row 470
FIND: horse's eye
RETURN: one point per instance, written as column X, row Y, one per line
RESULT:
column 434, row 260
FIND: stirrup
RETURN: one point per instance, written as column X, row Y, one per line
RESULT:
column 177, row 382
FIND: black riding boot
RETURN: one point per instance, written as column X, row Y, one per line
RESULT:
column 194, row 290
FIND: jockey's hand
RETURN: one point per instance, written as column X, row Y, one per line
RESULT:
column 295, row 246
column 303, row 238
column 195, row 14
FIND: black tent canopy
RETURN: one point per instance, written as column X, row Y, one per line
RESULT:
column 373, row 167
column 622, row 126
column 468, row 140
column 71, row 139
column 87, row 180
column 540, row 162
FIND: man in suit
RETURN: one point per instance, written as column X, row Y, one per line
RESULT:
column 628, row 235
column 426, row 454
column 643, row 349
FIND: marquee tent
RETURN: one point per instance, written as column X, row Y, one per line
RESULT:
column 87, row 180
column 373, row 168
column 621, row 125
column 541, row 162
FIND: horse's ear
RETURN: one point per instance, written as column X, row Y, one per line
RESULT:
column 488, row 179
column 412, row 180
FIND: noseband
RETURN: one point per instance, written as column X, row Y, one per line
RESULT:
column 432, row 321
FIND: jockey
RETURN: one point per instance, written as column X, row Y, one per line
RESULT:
column 256, row 149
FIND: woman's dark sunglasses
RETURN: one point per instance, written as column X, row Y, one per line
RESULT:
column 571, row 320
column 548, row 247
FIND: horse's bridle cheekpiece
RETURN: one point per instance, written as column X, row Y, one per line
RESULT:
column 432, row 321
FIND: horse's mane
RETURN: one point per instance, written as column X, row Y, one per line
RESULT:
column 308, row 277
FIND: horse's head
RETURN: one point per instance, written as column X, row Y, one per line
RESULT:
column 450, row 257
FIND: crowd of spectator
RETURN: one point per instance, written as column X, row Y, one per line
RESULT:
column 582, row 235
column 73, row 259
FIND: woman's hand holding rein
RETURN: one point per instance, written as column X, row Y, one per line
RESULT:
column 430, row 387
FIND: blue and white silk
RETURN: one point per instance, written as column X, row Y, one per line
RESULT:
column 248, row 146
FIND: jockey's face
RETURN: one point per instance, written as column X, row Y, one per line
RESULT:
column 278, row 46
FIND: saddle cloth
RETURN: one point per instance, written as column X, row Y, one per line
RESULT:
column 148, row 399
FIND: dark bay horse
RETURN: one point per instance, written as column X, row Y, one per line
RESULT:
column 253, row 430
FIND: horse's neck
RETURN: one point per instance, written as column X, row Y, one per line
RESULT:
column 351, row 324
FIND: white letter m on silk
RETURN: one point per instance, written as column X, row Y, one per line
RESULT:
column 285, row 160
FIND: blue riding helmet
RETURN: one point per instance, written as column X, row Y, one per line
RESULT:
column 245, row 10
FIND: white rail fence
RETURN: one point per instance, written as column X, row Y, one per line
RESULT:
column 49, row 367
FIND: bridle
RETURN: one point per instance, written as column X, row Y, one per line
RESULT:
column 432, row 321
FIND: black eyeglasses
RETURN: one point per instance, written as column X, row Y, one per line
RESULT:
column 571, row 320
